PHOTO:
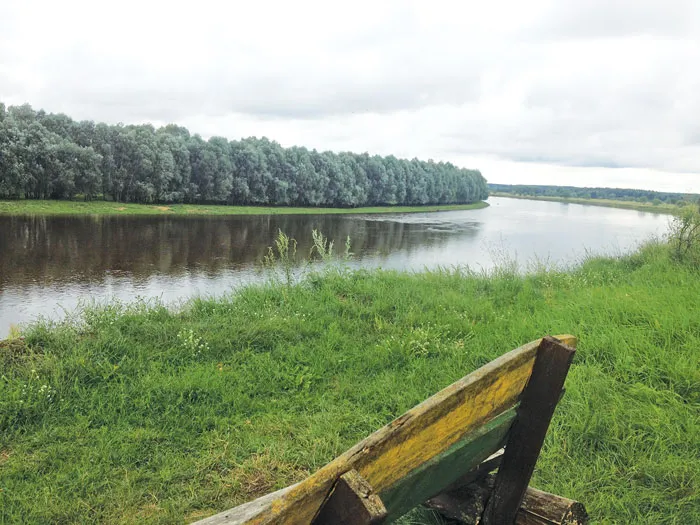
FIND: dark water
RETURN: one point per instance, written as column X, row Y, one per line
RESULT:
column 49, row 264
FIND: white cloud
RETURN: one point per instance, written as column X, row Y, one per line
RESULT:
column 515, row 89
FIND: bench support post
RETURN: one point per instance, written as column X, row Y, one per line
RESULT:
column 466, row 504
column 352, row 501
column 525, row 440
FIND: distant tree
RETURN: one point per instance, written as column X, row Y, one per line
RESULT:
column 88, row 176
column 309, row 184
column 13, row 172
column 222, row 173
column 24, row 115
column 250, row 165
column 594, row 193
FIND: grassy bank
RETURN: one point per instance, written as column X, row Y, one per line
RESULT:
column 46, row 207
column 136, row 413
column 627, row 205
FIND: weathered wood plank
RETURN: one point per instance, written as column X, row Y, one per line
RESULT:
column 423, row 432
column 351, row 502
column 542, row 508
column 525, row 440
column 446, row 468
column 244, row 513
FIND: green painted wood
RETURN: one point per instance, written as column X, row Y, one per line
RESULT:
column 435, row 475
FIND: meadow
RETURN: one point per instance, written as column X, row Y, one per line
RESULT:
column 138, row 412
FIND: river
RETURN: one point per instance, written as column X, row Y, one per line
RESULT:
column 50, row 264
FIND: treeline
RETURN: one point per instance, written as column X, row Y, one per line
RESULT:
column 619, row 194
column 51, row 156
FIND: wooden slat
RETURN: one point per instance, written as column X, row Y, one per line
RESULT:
column 542, row 508
column 351, row 502
column 244, row 513
column 443, row 470
column 424, row 432
column 525, row 440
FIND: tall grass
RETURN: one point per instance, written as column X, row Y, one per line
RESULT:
column 282, row 263
column 684, row 235
column 138, row 413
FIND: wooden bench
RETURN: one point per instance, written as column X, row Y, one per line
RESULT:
column 441, row 453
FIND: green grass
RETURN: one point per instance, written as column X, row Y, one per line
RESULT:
column 136, row 413
column 49, row 207
column 607, row 203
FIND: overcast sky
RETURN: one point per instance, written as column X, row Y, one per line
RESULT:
column 569, row 92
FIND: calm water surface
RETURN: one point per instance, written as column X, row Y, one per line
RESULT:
column 48, row 265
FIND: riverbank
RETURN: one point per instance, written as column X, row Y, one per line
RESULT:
column 607, row 203
column 136, row 413
column 48, row 207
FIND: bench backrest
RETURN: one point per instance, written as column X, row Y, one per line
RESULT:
column 417, row 455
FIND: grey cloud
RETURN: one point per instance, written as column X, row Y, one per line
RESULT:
column 589, row 162
column 9, row 85
column 283, row 99
column 692, row 137
column 619, row 18
column 275, row 100
column 616, row 133
column 297, row 91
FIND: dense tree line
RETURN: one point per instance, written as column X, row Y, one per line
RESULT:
column 51, row 156
column 619, row 194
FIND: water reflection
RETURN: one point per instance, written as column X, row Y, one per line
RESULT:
column 49, row 263
column 88, row 249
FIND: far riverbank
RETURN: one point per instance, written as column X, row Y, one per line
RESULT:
column 670, row 209
column 56, row 207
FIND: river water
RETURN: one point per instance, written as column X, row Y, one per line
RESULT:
column 49, row 265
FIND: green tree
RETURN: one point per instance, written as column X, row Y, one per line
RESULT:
column 45, row 155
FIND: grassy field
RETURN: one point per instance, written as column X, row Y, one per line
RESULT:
column 608, row 203
column 139, row 414
column 48, row 207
